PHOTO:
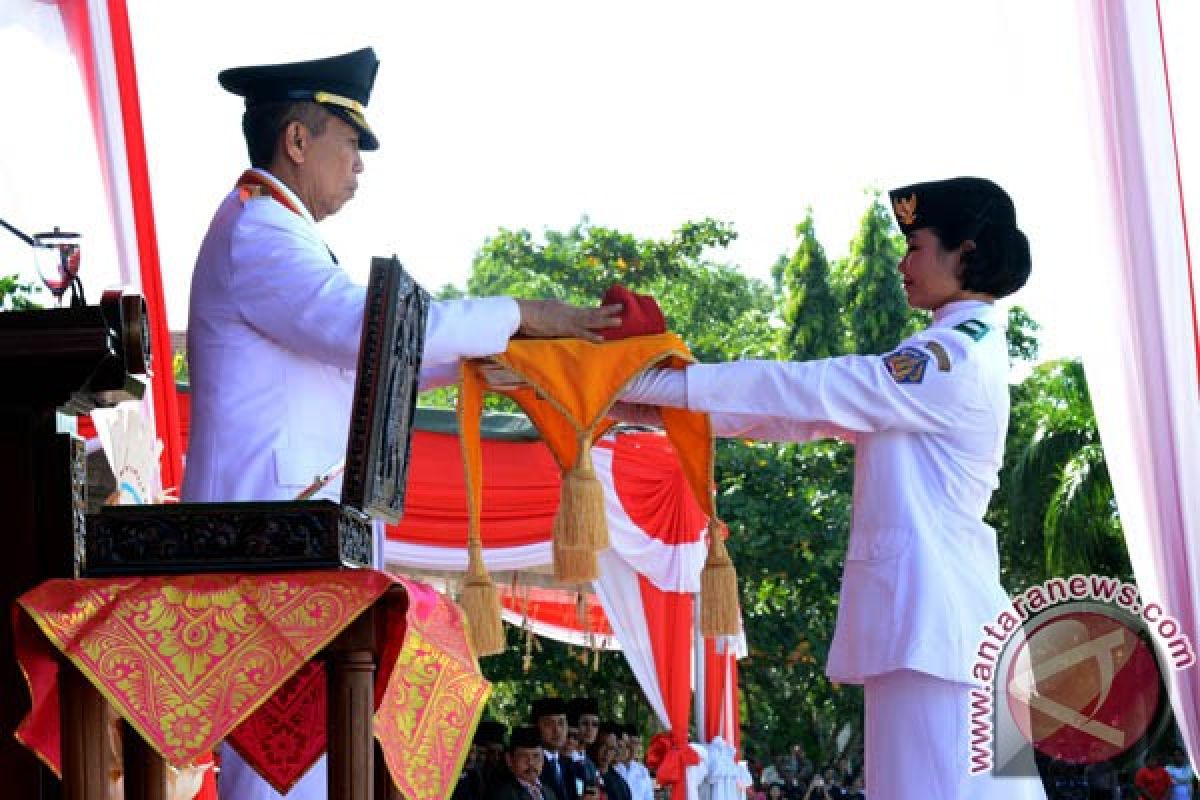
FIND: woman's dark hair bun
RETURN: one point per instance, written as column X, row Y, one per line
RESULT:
column 1000, row 262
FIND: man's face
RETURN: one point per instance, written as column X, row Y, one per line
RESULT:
column 332, row 163
column 623, row 751
column 635, row 747
column 553, row 729
column 589, row 726
column 525, row 763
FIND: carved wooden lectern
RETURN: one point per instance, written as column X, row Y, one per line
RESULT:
column 51, row 359
column 252, row 537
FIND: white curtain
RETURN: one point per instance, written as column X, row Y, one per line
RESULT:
column 621, row 597
column 1142, row 358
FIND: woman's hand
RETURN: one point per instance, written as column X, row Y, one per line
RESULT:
column 500, row 378
column 636, row 414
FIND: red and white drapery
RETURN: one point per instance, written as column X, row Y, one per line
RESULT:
column 1144, row 361
column 648, row 575
column 97, row 32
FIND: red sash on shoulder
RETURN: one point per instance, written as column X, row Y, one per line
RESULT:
column 255, row 184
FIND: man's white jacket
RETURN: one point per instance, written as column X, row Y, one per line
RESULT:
column 273, row 337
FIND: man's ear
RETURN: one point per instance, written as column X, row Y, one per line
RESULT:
column 296, row 138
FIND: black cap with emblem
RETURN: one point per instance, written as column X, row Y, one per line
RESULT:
column 957, row 206
column 341, row 84
column 977, row 209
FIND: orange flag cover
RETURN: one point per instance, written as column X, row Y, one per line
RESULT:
column 571, row 385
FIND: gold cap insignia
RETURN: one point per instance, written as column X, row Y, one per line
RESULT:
column 906, row 209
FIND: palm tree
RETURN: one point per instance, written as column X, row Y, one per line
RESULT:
column 1058, row 483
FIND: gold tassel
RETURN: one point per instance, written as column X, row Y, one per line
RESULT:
column 720, row 614
column 481, row 604
column 580, row 527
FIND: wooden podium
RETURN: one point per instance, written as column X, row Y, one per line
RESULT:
column 42, row 475
column 52, row 359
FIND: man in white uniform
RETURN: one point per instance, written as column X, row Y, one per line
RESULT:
column 928, row 421
column 275, row 323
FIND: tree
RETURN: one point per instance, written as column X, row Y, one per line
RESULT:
column 1057, row 488
column 788, row 510
column 719, row 311
column 810, row 309
column 18, row 295
column 1022, row 335
column 876, row 309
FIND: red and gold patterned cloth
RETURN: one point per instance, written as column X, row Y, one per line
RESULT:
column 186, row 660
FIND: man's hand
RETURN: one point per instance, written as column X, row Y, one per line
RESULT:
column 554, row 319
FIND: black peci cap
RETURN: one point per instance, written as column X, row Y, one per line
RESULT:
column 524, row 736
column 579, row 706
column 547, row 707
column 489, row 732
column 341, row 84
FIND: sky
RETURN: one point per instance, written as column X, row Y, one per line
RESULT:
column 638, row 115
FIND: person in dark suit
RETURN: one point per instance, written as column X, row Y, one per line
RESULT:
column 583, row 714
column 524, row 758
column 484, row 761
column 604, row 753
column 549, row 715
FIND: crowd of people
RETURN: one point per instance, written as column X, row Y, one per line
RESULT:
column 792, row 776
column 1157, row 778
column 566, row 752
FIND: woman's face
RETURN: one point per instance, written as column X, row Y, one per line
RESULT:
column 931, row 273
column 602, row 752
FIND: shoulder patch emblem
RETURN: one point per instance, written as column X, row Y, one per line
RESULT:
column 973, row 328
column 939, row 353
column 907, row 365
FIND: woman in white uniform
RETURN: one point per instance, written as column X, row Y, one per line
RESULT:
column 928, row 421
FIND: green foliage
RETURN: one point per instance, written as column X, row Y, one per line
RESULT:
column 720, row 312
column 876, row 310
column 582, row 263
column 788, row 510
column 1022, row 335
column 449, row 292
column 810, row 308
column 18, row 295
column 531, row 667
column 179, row 367
column 1056, row 486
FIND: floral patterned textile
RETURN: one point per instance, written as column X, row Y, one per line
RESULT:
column 287, row 734
column 186, row 660
column 434, row 698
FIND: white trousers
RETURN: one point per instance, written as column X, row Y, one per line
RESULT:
column 917, row 743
